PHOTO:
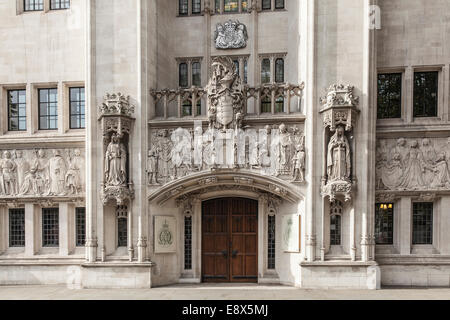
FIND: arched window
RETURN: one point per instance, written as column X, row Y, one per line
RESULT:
column 279, row 70
column 336, row 223
column 265, row 71
column 196, row 74
column 183, row 75
column 279, row 4
column 196, row 6
column 183, row 8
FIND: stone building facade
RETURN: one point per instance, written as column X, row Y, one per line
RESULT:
column 147, row 143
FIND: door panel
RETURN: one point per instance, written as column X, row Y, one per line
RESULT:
column 230, row 240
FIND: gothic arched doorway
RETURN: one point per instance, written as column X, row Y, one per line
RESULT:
column 230, row 240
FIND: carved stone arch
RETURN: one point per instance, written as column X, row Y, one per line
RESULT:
column 226, row 180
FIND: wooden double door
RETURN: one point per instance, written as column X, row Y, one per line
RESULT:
column 230, row 240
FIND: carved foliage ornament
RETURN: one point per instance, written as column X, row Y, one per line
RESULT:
column 230, row 35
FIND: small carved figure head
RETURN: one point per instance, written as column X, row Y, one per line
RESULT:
column 340, row 131
column 56, row 153
column 41, row 153
column 7, row 155
column 426, row 142
column 414, row 144
column 401, row 142
column 19, row 154
column 283, row 128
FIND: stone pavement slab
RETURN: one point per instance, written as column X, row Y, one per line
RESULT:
column 218, row 292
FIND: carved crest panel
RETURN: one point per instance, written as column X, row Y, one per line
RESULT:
column 231, row 35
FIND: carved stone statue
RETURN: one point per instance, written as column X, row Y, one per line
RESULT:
column 115, row 163
column 22, row 168
column 36, row 180
column 285, row 149
column 164, row 147
column 57, row 170
column 299, row 161
column 8, row 177
column 338, row 160
column 231, row 35
column 152, row 166
column 73, row 175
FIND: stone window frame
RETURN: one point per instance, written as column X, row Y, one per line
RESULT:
column 32, row 107
column 272, row 6
column 440, row 96
column 273, row 57
column 20, row 8
column 404, row 98
column 190, row 13
column 4, row 118
column 189, row 61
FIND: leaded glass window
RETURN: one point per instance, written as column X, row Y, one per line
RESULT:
column 265, row 71
column 266, row 4
column 122, row 226
column 48, row 109
column 244, row 5
column 336, row 223
column 196, row 74
column 217, row 4
column 183, row 75
column 33, row 5
column 17, row 110
column 187, row 108
column 77, row 108
column 271, row 243
column 122, row 232
column 80, row 219
column 17, row 228
column 196, row 6
column 389, row 95
column 231, row 6
column 279, row 105
column 384, row 223
column 188, row 243
column 236, row 63
column 59, row 4
column 426, row 94
column 183, row 8
column 279, row 70
column 423, row 223
column 50, row 227
column 266, row 104
column 245, row 71
column 279, row 4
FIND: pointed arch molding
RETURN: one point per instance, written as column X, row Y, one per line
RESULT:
column 226, row 180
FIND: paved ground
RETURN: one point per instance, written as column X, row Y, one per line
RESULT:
column 219, row 292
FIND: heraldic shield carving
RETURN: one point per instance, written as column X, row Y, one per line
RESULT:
column 225, row 95
column 231, row 35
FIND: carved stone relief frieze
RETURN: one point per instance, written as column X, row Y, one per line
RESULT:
column 174, row 154
column 413, row 164
column 42, row 173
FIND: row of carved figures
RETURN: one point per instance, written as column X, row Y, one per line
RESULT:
column 41, row 172
column 411, row 164
column 170, row 159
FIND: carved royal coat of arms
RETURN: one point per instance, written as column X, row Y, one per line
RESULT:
column 231, row 35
